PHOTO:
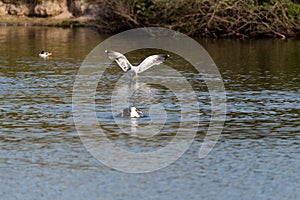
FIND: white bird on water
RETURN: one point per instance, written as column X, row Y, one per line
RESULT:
column 143, row 66
column 45, row 54
column 132, row 112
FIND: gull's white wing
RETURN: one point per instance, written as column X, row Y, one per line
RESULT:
column 151, row 61
column 120, row 59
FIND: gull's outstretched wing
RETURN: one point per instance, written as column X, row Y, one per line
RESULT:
column 151, row 61
column 120, row 59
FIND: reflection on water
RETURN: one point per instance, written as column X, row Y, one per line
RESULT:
column 262, row 87
column 256, row 157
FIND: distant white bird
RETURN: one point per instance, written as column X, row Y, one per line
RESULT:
column 143, row 66
column 132, row 112
column 45, row 54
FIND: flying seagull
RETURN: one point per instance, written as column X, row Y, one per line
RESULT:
column 143, row 66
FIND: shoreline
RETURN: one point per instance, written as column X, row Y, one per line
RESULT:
column 68, row 21
column 47, row 21
column 220, row 19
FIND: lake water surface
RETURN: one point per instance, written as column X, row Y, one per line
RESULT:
column 42, row 156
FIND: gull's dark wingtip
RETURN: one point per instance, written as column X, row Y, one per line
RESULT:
column 166, row 56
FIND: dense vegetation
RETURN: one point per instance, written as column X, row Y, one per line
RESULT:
column 223, row 18
column 200, row 18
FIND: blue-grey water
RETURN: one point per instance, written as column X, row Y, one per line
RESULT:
column 42, row 156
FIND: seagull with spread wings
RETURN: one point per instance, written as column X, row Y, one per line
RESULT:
column 143, row 66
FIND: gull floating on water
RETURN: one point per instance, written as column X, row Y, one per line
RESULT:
column 143, row 66
column 132, row 112
column 45, row 54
